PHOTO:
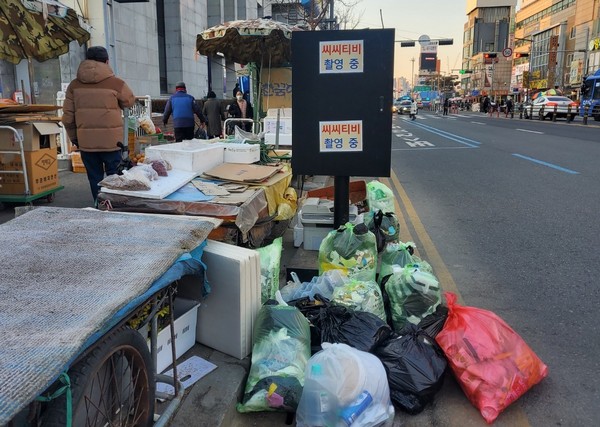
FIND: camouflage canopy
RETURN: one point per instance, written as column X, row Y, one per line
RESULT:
column 26, row 33
column 255, row 40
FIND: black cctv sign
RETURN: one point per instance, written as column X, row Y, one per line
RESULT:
column 428, row 62
column 342, row 101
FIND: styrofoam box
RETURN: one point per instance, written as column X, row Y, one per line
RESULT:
column 189, row 155
column 284, row 138
column 285, row 124
column 313, row 236
column 241, row 153
column 283, row 112
column 186, row 316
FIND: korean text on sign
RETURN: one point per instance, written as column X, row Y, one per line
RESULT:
column 336, row 137
column 345, row 56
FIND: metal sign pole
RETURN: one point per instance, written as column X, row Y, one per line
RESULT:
column 341, row 202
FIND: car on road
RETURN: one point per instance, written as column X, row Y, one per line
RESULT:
column 403, row 107
column 549, row 103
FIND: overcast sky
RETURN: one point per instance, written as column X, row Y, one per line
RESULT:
column 413, row 18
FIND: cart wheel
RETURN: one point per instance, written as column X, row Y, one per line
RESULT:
column 50, row 198
column 113, row 385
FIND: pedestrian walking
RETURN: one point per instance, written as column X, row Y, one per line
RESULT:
column 241, row 109
column 183, row 107
column 510, row 108
column 92, row 115
column 414, row 108
column 446, row 106
column 213, row 111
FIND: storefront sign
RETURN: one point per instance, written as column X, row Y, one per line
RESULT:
column 575, row 72
column 340, row 136
column 276, row 88
column 594, row 44
column 344, row 56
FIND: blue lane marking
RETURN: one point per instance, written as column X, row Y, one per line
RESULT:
column 447, row 135
column 550, row 165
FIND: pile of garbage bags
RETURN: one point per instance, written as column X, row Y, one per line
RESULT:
column 374, row 331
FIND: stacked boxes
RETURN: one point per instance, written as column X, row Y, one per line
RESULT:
column 39, row 145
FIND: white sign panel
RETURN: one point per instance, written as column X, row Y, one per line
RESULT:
column 345, row 56
column 341, row 136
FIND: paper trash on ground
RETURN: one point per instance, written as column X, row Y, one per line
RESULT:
column 189, row 372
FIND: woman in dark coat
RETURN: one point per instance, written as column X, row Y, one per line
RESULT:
column 213, row 111
column 240, row 108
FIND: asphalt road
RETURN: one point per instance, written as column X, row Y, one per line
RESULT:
column 511, row 210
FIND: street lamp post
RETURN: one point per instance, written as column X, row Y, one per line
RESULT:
column 413, row 75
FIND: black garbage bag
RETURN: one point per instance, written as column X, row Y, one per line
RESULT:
column 311, row 309
column 384, row 226
column 415, row 367
column 361, row 330
column 434, row 323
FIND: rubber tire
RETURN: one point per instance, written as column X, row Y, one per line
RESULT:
column 80, row 374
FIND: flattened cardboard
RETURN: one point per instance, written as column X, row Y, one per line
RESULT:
column 239, row 172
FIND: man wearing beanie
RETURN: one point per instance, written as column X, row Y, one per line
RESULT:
column 183, row 107
column 92, row 115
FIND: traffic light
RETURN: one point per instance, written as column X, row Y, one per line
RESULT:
column 489, row 55
column 445, row 42
column 521, row 55
column 465, row 72
column 407, row 44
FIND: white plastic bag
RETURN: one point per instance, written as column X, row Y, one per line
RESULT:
column 334, row 378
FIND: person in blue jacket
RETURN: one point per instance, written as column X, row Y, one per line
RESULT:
column 183, row 107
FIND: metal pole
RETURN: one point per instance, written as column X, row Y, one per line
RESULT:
column 341, row 201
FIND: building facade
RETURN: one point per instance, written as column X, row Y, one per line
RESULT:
column 486, row 37
column 151, row 44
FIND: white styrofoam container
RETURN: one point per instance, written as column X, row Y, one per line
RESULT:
column 241, row 153
column 313, row 236
column 186, row 316
column 285, row 124
column 283, row 112
column 189, row 155
column 284, row 138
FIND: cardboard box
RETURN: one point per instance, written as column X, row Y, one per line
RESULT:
column 36, row 136
column 42, row 172
column 186, row 316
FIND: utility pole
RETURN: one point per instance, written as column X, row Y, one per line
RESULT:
column 413, row 75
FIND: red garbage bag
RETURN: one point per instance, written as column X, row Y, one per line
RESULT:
column 492, row 363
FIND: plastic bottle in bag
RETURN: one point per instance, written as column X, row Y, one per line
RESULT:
column 350, row 413
column 320, row 402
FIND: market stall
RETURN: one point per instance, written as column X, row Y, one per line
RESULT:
column 246, row 195
column 65, row 323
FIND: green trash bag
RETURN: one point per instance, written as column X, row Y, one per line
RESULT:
column 279, row 357
column 413, row 295
column 400, row 254
column 380, row 197
column 270, row 258
column 351, row 249
column 361, row 296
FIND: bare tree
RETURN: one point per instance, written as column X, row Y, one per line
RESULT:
column 315, row 14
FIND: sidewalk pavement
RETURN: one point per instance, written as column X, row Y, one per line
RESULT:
column 211, row 401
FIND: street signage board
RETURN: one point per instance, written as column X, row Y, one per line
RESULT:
column 342, row 102
column 507, row 52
